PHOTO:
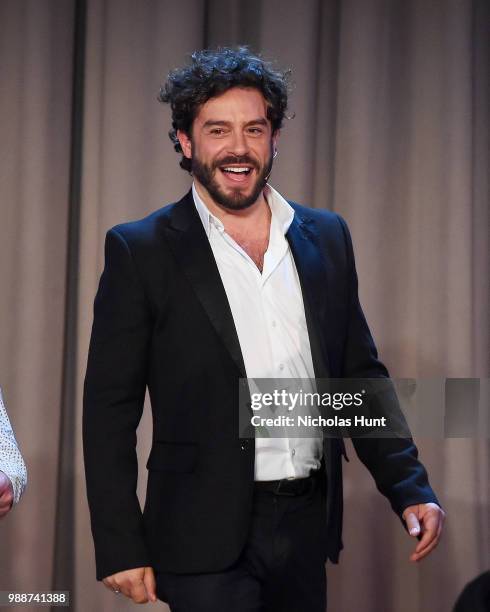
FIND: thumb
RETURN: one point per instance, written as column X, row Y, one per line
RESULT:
column 150, row 583
column 413, row 524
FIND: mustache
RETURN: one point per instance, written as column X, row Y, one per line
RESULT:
column 240, row 159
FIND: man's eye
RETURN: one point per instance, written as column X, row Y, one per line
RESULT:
column 217, row 131
column 255, row 130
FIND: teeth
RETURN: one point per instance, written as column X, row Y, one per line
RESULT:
column 236, row 170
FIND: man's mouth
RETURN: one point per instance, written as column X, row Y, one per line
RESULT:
column 236, row 174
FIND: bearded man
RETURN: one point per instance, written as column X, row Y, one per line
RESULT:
column 228, row 283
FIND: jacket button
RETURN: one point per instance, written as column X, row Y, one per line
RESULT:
column 244, row 445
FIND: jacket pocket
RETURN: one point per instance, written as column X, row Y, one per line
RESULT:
column 172, row 457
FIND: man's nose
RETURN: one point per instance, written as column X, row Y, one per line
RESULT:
column 238, row 144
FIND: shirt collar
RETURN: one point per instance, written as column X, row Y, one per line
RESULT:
column 206, row 216
column 282, row 212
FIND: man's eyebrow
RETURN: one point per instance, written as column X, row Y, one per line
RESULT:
column 211, row 122
column 259, row 121
column 216, row 122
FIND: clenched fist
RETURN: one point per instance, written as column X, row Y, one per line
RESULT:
column 138, row 584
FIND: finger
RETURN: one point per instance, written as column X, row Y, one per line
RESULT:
column 5, row 486
column 419, row 556
column 5, row 503
column 123, row 586
column 413, row 524
column 150, row 584
column 7, row 496
column 429, row 531
column 439, row 529
column 138, row 592
column 133, row 588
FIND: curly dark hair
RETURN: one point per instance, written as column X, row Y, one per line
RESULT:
column 211, row 73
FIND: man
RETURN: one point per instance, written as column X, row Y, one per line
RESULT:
column 229, row 282
column 13, row 472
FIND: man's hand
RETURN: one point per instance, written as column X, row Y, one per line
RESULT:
column 6, row 494
column 138, row 584
column 424, row 520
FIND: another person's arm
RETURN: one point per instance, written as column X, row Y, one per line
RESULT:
column 13, row 472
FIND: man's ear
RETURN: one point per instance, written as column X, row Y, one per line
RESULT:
column 185, row 143
column 275, row 138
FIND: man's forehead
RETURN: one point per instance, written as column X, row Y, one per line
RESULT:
column 236, row 103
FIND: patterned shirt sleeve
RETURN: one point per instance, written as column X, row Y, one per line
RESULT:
column 11, row 461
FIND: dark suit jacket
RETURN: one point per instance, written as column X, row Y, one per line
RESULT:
column 162, row 321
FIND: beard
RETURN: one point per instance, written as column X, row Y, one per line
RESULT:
column 234, row 198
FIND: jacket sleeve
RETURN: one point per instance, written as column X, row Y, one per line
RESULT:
column 114, row 392
column 392, row 461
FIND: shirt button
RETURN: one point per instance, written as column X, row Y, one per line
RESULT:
column 293, row 452
column 281, row 366
column 273, row 323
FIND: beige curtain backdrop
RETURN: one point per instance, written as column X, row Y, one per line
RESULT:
column 391, row 130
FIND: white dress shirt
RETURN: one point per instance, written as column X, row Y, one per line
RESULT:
column 11, row 461
column 269, row 317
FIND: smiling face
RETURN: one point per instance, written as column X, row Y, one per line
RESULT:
column 231, row 147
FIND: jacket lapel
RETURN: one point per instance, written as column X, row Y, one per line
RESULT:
column 190, row 246
column 312, row 267
column 312, row 273
column 187, row 239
